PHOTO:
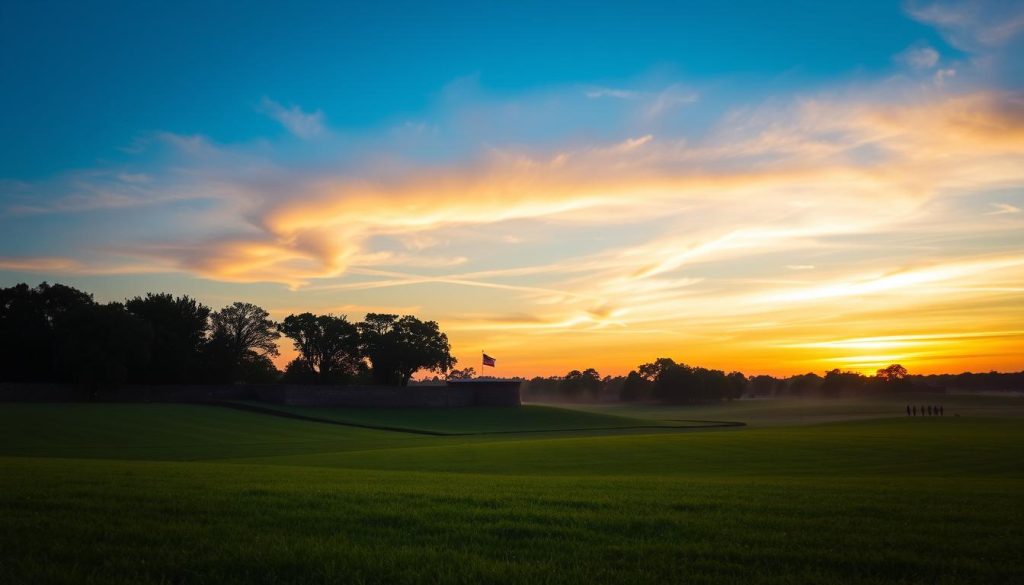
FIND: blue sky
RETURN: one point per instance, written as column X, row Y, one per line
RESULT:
column 777, row 187
column 85, row 79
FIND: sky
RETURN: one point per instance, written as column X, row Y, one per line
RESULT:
column 768, row 187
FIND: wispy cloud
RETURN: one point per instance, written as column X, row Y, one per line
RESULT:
column 918, row 57
column 298, row 122
column 624, row 94
column 972, row 25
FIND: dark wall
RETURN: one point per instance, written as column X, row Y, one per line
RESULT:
column 454, row 394
column 469, row 393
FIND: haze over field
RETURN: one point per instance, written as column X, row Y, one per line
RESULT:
column 771, row 189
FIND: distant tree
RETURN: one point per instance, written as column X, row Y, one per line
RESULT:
column 762, row 385
column 652, row 370
column 179, row 326
column 737, row 386
column 808, row 384
column 712, row 385
column 242, row 339
column 839, row 383
column 676, row 384
column 611, row 386
column 328, row 344
column 892, row 373
column 576, row 383
column 97, row 345
column 463, row 374
column 893, row 378
column 398, row 347
column 635, row 387
column 541, row 387
column 28, row 342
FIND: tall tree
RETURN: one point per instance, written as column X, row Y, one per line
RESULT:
column 28, row 342
column 398, row 347
column 97, row 345
column 179, row 330
column 328, row 344
column 242, row 339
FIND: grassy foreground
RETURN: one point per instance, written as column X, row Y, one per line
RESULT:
column 191, row 494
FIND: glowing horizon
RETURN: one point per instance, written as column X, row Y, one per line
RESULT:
column 870, row 216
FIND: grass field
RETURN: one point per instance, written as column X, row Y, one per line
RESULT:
column 202, row 494
column 484, row 420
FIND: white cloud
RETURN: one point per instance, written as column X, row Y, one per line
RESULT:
column 919, row 58
column 652, row 103
column 301, row 124
column 601, row 92
column 973, row 25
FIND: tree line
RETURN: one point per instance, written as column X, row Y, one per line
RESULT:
column 668, row 382
column 663, row 380
column 56, row 333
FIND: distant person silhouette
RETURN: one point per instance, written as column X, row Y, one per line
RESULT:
column 914, row 410
column 908, row 410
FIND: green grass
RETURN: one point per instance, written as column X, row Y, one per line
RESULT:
column 789, row 411
column 191, row 494
column 481, row 420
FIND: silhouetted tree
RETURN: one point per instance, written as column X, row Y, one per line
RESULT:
column 652, row 370
column 635, row 387
column 328, row 344
column 577, row 383
column 676, row 384
column 762, row 385
column 839, row 383
column 893, row 378
column 242, row 339
column 257, row 368
column 298, row 372
column 28, row 342
column 179, row 327
column 737, row 385
column 808, row 384
column 398, row 347
column 463, row 374
column 892, row 373
column 98, row 344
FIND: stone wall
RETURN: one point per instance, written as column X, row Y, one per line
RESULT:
column 455, row 394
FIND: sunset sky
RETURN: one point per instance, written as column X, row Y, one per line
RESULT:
column 770, row 187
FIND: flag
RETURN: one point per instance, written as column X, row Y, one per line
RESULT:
column 488, row 360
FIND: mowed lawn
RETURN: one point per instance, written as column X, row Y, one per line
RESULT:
column 194, row 494
column 479, row 420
